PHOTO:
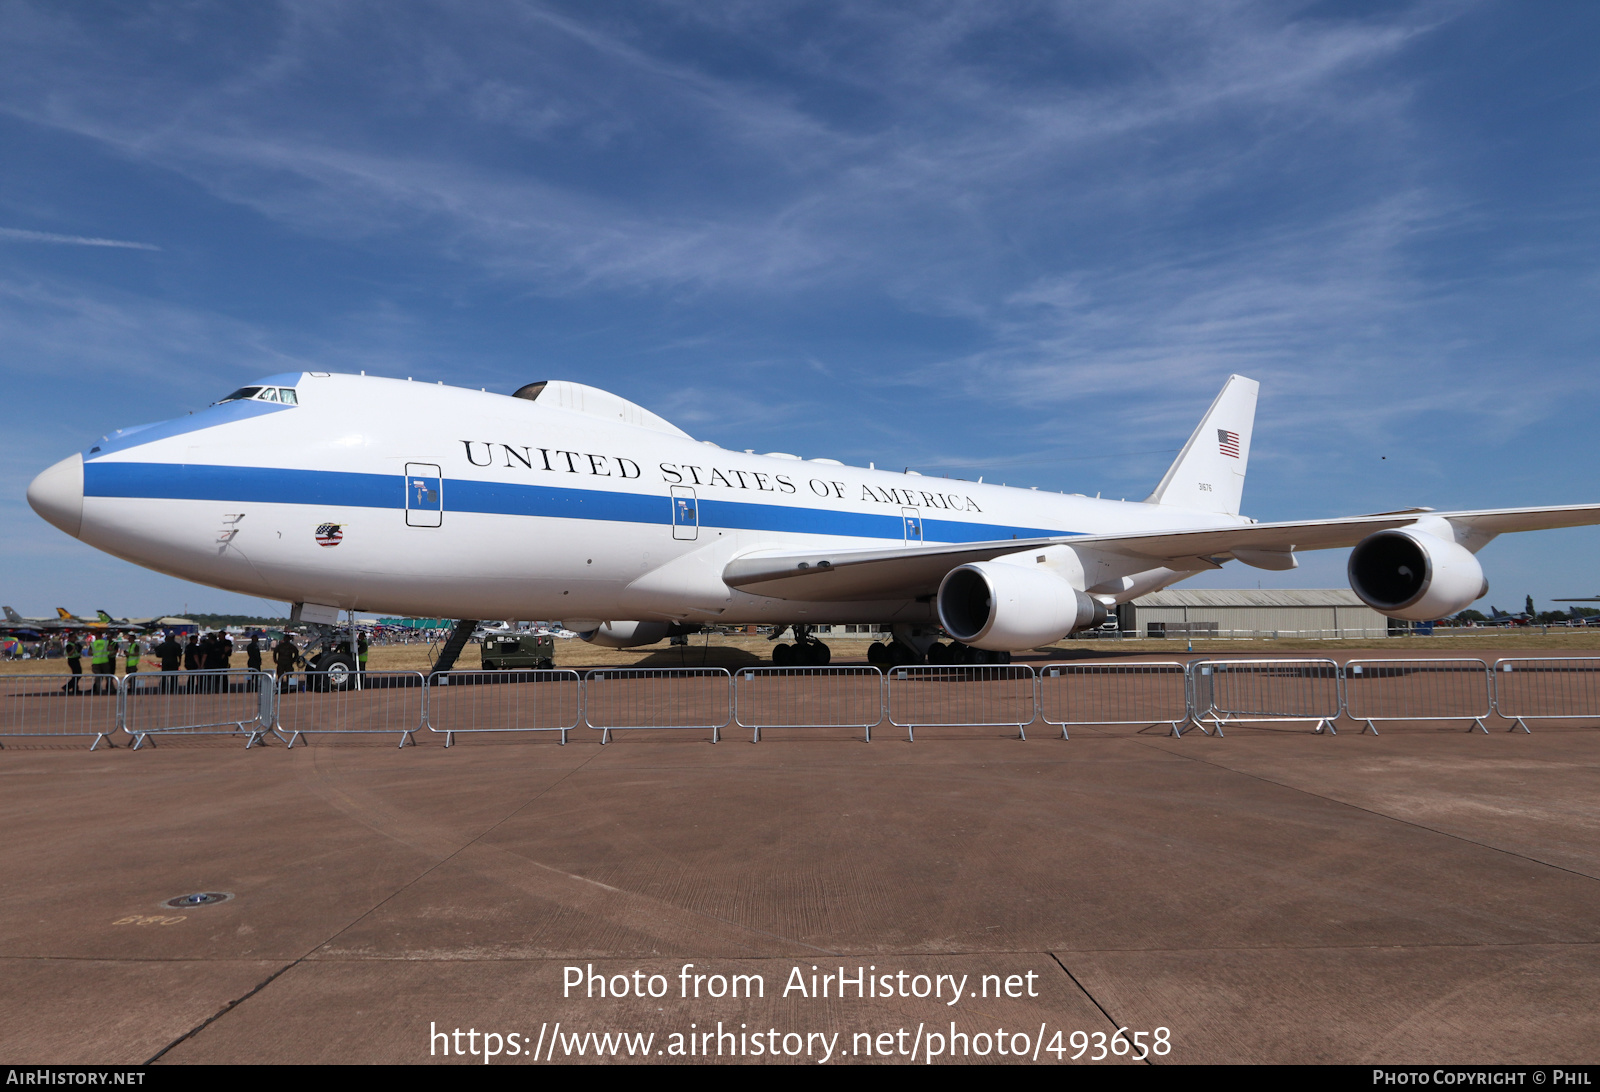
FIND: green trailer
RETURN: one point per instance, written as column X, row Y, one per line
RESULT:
column 506, row 652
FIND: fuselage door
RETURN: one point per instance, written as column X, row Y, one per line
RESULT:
column 424, row 495
column 913, row 521
column 685, row 513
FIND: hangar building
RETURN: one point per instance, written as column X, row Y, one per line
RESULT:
column 1310, row 612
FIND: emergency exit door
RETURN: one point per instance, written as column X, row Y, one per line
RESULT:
column 685, row 513
column 913, row 521
column 424, row 495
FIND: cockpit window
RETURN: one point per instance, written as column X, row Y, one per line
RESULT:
column 262, row 394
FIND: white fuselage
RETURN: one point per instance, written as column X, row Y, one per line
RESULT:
column 534, row 511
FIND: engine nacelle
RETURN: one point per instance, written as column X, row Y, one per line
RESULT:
column 1410, row 574
column 627, row 634
column 1007, row 608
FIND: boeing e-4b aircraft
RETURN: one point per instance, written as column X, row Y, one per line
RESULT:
column 339, row 492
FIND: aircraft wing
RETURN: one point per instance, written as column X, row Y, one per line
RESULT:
column 839, row 576
column 897, row 572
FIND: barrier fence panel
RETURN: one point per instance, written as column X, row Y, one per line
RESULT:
column 1442, row 689
column 1264, row 690
column 1138, row 693
column 504, row 701
column 807, row 697
column 49, row 705
column 967, row 696
column 197, row 703
column 372, row 702
column 1541, row 688
column 658, row 697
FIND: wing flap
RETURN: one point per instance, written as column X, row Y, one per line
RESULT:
column 843, row 576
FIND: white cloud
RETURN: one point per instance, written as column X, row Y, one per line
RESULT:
column 26, row 236
column 517, row 118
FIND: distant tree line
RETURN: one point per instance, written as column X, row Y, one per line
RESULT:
column 217, row 621
column 1544, row 618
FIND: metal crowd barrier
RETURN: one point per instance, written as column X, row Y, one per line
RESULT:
column 807, row 697
column 51, row 706
column 197, row 703
column 149, row 705
column 966, row 696
column 370, row 702
column 627, row 698
column 1135, row 693
column 1264, row 690
column 1430, row 689
column 1546, row 688
column 520, row 700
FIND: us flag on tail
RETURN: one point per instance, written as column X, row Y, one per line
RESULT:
column 1228, row 442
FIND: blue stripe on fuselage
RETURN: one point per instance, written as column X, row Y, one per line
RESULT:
column 267, row 485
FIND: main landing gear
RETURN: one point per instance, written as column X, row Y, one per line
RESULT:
column 899, row 654
column 806, row 651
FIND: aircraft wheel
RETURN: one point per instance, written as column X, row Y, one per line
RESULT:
column 782, row 655
column 337, row 671
column 901, row 656
column 878, row 654
column 939, row 653
column 818, row 654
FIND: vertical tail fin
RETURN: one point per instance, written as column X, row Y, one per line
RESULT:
column 12, row 615
column 1208, row 473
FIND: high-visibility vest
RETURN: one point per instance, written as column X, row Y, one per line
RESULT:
column 100, row 651
column 133, row 653
column 72, row 651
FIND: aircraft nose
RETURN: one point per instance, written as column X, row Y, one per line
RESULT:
column 57, row 495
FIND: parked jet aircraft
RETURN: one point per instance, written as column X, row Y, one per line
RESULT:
column 562, row 501
column 64, row 621
column 16, row 623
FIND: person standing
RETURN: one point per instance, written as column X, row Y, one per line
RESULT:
column 130, row 663
column 191, row 662
column 361, row 654
column 222, row 658
column 100, row 663
column 171, row 654
column 252, row 659
column 210, row 648
column 284, row 657
column 74, row 653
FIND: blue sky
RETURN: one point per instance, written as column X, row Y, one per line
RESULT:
column 1023, row 240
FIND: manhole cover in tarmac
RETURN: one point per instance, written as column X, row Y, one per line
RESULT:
column 199, row 898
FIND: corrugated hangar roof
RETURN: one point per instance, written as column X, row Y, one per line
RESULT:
column 1251, row 597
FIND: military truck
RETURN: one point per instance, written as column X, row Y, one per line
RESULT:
column 509, row 651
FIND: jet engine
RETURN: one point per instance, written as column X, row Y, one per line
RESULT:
column 1007, row 608
column 633, row 634
column 626, row 634
column 1410, row 574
